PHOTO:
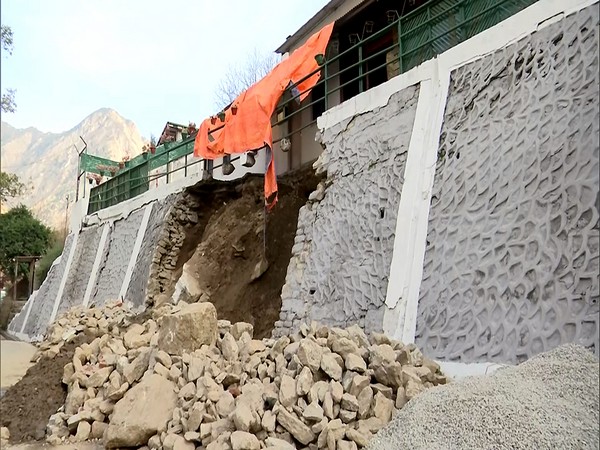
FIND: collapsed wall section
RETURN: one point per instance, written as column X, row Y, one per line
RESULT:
column 338, row 272
column 511, row 266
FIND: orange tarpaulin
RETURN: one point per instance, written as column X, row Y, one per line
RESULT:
column 250, row 127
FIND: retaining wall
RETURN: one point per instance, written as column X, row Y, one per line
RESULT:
column 459, row 210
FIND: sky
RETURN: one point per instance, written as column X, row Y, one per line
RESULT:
column 152, row 61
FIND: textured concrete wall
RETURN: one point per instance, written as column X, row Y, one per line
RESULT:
column 136, row 292
column 116, row 258
column 511, row 267
column 43, row 302
column 81, row 268
column 340, row 261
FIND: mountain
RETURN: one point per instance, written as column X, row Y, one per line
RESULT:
column 47, row 162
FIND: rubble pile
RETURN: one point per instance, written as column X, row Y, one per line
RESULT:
column 183, row 379
column 109, row 319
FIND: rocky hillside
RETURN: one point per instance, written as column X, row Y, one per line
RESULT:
column 47, row 162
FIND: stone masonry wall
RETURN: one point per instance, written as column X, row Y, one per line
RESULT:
column 511, row 266
column 43, row 302
column 340, row 261
column 81, row 268
column 164, row 255
column 116, row 258
column 137, row 290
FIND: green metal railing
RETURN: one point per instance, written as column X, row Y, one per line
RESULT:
column 418, row 36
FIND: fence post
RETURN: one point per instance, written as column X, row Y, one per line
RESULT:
column 400, row 46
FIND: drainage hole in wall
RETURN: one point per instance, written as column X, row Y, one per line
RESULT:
column 381, row 213
column 312, row 291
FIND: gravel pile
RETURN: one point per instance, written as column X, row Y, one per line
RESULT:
column 550, row 401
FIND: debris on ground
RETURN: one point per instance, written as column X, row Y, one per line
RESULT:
column 168, row 385
column 549, row 401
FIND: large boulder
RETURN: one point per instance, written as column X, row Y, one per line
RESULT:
column 143, row 412
column 188, row 329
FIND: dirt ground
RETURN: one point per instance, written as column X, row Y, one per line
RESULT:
column 233, row 242
column 26, row 407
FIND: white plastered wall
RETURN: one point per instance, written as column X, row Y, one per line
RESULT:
column 411, row 229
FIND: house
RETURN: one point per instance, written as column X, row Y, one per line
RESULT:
column 372, row 42
column 362, row 53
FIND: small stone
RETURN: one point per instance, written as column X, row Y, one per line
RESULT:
column 98, row 429
column 309, row 354
column 4, row 434
column 226, row 404
column 413, row 388
column 255, row 346
column 134, row 371
column 359, row 382
column 401, row 398
column 328, row 406
column 317, row 392
column 370, row 425
column 346, row 445
column 382, row 407
column 365, row 399
column 154, row 442
column 239, row 328
column 192, row 436
column 313, row 412
column 195, row 416
column 355, row 363
column 358, row 437
column 229, row 347
column 161, row 370
column 278, row 444
column 195, row 369
column 269, row 421
column 295, row 426
column 337, row 391
column 287, row 391
column 349, row 402
column 241, row 440
column 331, row 367
column 344, row 346
column 304, row 381
column 83, row 431
column 242, row 416
column 188, row 391
column 182, row 444
column 163, row 358
column 347, row 416
column 385, row 390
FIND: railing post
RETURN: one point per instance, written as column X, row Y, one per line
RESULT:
column 400, row 46
column 185, row 166
column 360, row 69
column 325, row 74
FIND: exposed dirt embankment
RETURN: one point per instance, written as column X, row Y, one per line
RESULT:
column 221, row 249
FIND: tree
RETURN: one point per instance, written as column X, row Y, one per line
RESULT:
column 8, row 98
column 241, row 76
column 21, row 234
column 10, row 186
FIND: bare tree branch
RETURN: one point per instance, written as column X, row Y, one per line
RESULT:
column 8, row 99
column 241, row 76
